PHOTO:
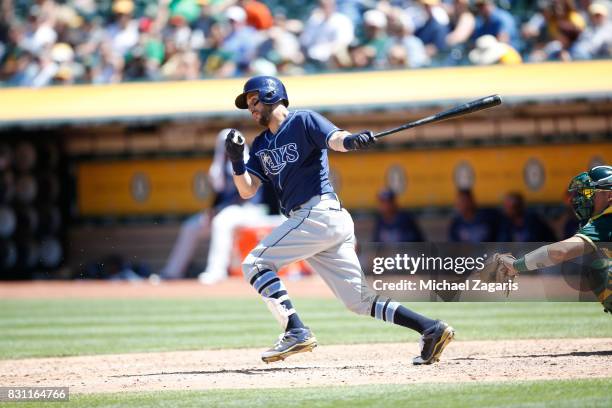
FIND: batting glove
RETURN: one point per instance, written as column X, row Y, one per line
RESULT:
column 361, row 140
column 235, row 152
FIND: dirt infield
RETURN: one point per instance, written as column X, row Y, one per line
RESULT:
column 91, row 289
column 327, row 365
column 463, row 361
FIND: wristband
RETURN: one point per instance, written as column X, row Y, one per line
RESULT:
column 519, row 265
column 239, row 167
column 348, row 143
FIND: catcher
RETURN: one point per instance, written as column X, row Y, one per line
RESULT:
column 591, row 195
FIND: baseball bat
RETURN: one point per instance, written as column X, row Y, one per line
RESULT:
column 459, row 110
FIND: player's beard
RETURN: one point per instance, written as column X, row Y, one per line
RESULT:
column 265, row 115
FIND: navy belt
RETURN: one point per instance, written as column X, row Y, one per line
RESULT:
column 325, row 196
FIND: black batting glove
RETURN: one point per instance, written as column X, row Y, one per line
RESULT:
column 361, row 140
column 235, row 151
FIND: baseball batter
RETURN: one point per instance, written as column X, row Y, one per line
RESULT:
column 291, row 155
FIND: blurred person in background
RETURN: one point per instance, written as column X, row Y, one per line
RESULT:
column 497, row 22
column 561, row 26
column 5, row 15
column 181, row 63
column 471, row 224
column 282, row 47
column 372, row 50
column 490, row 51
column 520, row 225
column 21, row 70
column 123, row 32
column 406, row 49
column 533, row 31
column 258, row 14
column 596, row 40
column 327, row 35
column 393, row 225
column 91, row 36
column 461, row 26
column 217, row 62
column 242, row 39
column 39, row 34
column 228, row 211
column 462, row 23
column 433, row 32
column 108, row 65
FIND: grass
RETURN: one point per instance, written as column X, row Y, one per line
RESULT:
column 38, row 328
column 558, row 394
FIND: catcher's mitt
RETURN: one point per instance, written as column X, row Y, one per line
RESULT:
column 498, row 269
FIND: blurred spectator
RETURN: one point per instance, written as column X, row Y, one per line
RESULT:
column 229, row 211
column 5, row 13
column 258, row 14
column 406, row 49
column 327, row 34
column 392, row 224
column 242, row 40
column 217, row 61
column 127, row 40
column 534, row 29
column 39, row 32
column 495, row 21
column 560, row 27
column 109, row 69
column 372, row 51
column 282, row 48
column 123, row 32
column 596, row 40
column 520, row 225
column 181, row 63
column 471, row 224
column 462, row 23
column 490, row 51
column 433, row 32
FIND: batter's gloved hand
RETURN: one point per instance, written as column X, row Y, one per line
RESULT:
column 235, row 151
column 361, row 140
column 234, row 148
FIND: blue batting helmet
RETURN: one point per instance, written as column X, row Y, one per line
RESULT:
column 271, row 90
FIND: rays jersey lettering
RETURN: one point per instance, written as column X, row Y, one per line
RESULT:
column 294, row 160
column 275, row 160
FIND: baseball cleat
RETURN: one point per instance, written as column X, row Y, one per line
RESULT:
column 432, row 343
column 291, row 342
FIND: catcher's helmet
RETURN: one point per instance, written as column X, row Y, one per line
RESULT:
column 582, row 189
column 271, row 90
column 601, row 177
